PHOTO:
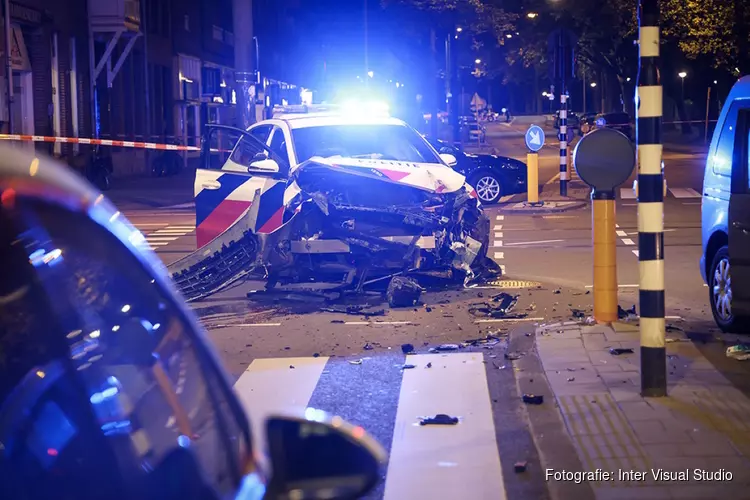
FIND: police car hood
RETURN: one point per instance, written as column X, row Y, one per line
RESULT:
column 430, row 177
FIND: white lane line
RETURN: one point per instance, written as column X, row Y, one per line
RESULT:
column 507, row 320
column 157, row 239
column 188, row 228
column 498, row 235
column 172, row 231
column 506, row 198
column 498, row 227
column 377, row 323
column 532, row 242
column 498, row 243
column 150, row 224
column 628, row 241
column 555, row 178
column 673, row 317
column 627, row 194
column 619, row 286
column 499, row 217
column 499, row 255
column 621, row 234
column 635, row 252
column 257, row 324
column 259, row 391
column 684, row 193
column 502, row 269
column 456, row 386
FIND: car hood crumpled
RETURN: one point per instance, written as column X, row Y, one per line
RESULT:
column 430, row 177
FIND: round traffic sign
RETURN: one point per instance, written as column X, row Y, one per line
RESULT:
column 604, row 159
column 534, row 138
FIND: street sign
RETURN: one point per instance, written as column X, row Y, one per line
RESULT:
column 534, row 138
column 604, row 159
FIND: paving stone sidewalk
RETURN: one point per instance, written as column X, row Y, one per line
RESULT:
column 703, row 424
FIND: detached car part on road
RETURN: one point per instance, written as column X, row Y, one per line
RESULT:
column 333, row 199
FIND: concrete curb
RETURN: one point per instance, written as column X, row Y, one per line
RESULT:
column 552, row 440
column 547, row 208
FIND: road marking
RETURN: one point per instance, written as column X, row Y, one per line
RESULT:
column 619, row 286
column 456, row 386
column 627, row 194
column 172, row 231
column 506, row 320
column 555, row 178
column 150, row 224
column 635, row 252
column 498, row 227
column 621, row 233
column 506, row 198
column 257, row 324
column 673, row 317
column 532, row 242
column 499, row 255
column 617, row 225
column 498, row 243
column 628, row 241
column 161, row 238
column 498, row 235
column 499, row 217
column 189, row 228
column 684, row 193
column 378, row 323
column 502, row 269
column 258, row 389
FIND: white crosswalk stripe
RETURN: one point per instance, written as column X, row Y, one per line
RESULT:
column 159, row 235
column 459, row 461
column 627, row 193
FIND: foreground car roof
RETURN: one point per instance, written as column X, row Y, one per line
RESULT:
column 318, row 120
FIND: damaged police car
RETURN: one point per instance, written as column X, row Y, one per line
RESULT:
column 330, row 197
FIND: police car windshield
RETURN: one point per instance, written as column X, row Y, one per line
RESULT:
column 381, row 142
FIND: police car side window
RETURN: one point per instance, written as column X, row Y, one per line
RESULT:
column 722, row 157
column 278, row 144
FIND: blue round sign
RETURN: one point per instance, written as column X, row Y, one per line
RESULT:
column 535, row 138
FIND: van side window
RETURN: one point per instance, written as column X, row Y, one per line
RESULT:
column 722, row 157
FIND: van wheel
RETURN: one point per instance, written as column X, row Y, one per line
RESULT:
column 720, row 294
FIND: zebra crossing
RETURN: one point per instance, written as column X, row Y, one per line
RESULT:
column 627, row 193
column 159, row 235
column 388, row 395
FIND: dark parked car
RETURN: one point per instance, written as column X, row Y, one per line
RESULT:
column 573, row 121
column 491, row 176
column 618, row 121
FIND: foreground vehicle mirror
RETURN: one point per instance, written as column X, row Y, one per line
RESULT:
column 265, row 165
column 318, row 457
column 449, row 159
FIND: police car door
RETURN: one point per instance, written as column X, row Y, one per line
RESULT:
column 739, row 217
column 235, row 168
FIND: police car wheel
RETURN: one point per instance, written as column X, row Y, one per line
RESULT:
column 720, row 294
column 488, row 188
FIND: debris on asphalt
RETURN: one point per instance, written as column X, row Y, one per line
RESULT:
column 355, row 362
column 338, row 321
column 439, row 419
column 739, row 352
column 578, row 313
column 532, row 399
column 513, row 356
column 557, row 292
column 291, row 367
column 445, row 347
column 367, row 347
column 316, row 355
column 403, row 292
column 407, row 348
column 671, row 340
column 589, row 321
column 501, row 306
column 571, row 379
column 487, row 342
column 616, row 351
column 355, row 310
column 520, row 467
column 628, row 315
column 673, row 328
column 531, row 307
column 428, row 365
column 408, row 367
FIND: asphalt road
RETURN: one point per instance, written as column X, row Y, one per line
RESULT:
column 286, row 354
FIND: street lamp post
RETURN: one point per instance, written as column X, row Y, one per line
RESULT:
column 682, row 75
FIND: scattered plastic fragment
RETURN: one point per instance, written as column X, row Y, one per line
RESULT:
column 428, row 365
column 367, row 347
column 669, row 341
column 578, row 313
column 487, row 342
column 403, row 292
column 512, row 356
column 407, row 348
column 316, row 355
column 408, row 367
column 532, row 399
column 628, row 315
column 447, row 347
column 557, row 292
column 739, row 352
column 571, row 379
column 673, row 328
column 291, row 367
column 532, row 307
column 439, row 419
column 520, row 467
column 616, row 351
column 355, row 362
column 355, row 310
column 590, row 320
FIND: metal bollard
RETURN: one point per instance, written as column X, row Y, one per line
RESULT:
column 605, row 256
column 532, row 178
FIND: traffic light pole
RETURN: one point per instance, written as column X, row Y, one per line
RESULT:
column 650, row 204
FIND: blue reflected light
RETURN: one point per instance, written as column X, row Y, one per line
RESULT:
column 183, row 441
column 99, row 397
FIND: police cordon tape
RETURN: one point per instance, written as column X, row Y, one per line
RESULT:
column 97, row 142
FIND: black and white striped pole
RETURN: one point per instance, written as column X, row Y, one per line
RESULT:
column 563, row 142
column 650, row 204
